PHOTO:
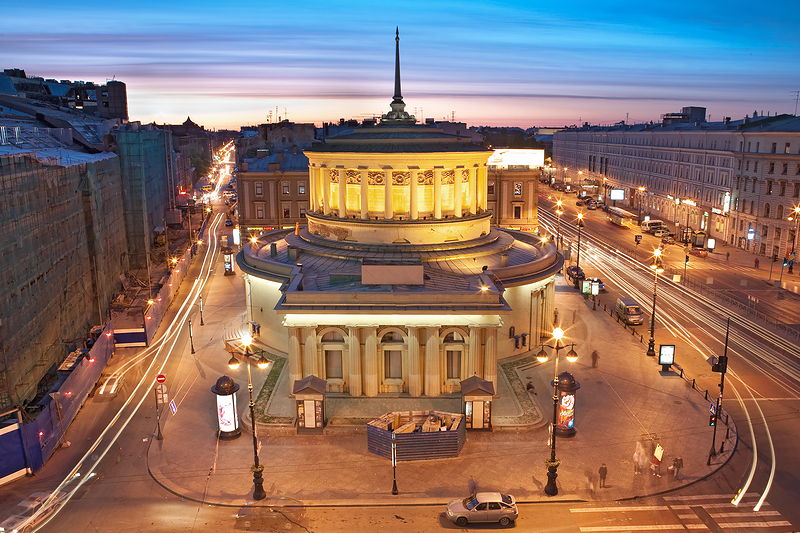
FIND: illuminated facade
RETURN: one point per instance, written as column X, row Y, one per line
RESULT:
column 399, row 284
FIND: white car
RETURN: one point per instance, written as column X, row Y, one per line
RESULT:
column 483, row 507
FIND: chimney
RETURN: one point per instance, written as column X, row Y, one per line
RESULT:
column 504, row 260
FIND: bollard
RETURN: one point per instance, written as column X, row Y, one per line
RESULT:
column 706, row 394
column 681, row 372
column 692, row 382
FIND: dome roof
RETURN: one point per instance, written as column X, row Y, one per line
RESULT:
column 225, row 386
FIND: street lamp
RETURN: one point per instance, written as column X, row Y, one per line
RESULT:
column 552, row 464
column 559, row 212
column 796, row 217
column 657, row 269
column 641, row 190
column 580, row 225
column 262, row 363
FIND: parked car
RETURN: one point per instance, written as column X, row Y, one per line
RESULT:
column 591, row 205
column 579, row 203
column 660, row 232
column 575, row 275
column 668, row 239
column 699, row 252
column 601, row 287
column 483, row 507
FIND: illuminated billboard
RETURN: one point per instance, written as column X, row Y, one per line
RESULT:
column 617, row 194
column 516, row 158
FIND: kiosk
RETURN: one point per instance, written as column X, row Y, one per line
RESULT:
column 477, row 394
column 309, row 394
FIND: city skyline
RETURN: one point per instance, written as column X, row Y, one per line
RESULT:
column 488, row 64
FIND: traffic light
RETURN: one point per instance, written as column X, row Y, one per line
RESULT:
column 785, row 261
column 686, row 260
column 712, row 420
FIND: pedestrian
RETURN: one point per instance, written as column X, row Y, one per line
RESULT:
column 756, row 263
column 603, row 471
column 727, row 256
column 595, row 358
column 678, row 466
column 530, row 388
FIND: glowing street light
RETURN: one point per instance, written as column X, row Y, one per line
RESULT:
column 657, row 269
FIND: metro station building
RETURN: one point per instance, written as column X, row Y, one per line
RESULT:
column 399, row 283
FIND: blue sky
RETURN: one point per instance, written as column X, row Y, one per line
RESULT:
column 501, row 63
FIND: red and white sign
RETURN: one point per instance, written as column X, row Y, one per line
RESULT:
column 161, row 378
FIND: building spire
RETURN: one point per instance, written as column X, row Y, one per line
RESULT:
column 398, row 113
column 398, row 95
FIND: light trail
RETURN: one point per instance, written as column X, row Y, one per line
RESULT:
column 614, row 263
column 91, row 459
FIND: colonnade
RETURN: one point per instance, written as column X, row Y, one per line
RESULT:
column 389, row 194
column 424, row 370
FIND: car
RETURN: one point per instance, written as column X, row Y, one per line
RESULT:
column 601, row 287
column 699, row 252
column 660, row 232
column 668, row 239
column 591, row 205
column 483, row 507
column 579, row 203
column 228, row 222
column 575, row 274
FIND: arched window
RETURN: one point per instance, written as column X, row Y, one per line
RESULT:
column 766, row 210
column 780, row 212
column 332, row 336
column 392, row 336
column 453, row 336
column 453, row 345
column 333, row 346
column 392, row 349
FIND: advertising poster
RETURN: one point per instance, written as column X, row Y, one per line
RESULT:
column 226, row 412
column 566, row 410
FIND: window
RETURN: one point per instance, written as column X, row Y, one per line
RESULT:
column 393, row 364
column 453, row 336
column 285, row 187
column 453, row 364
column 766, row 210
column 333, row 364
column 481, row 506
column 771, row 168
column 517, row 211
column 259, row 211
column 779, row 215
column 755, row 166
column 392, row 336
column 758, row 146
column 491, row 187
column 301, row 188
column 769, row 186
column 286, row 213
column 259, row 188
column 783, row 188
column 796, row 190
column 785, row 169
column 774, row 147
column 332, row 336
column 518, row 189
column 302, row 212
column 787, row 148
column 494, row 506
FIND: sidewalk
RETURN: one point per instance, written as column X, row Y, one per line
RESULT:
column 623, row 401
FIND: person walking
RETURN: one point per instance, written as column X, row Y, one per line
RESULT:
column 755, row 263
column 595, row 358
column 603, row 472
column 677, row 464
column 727, row 256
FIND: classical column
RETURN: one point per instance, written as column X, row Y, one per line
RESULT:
column 433, row 385
column 414, row 212
column 387, row 195
column 481, row 190
column 353, row 362
column 364, row 176
column 457, row 192
column 473, row 365
column 473, row 190
column 490, row 356
column 483, row 174
column 414, row 363
column 311, row 188
column 370, row 372
column 342, row 193
column 295, row 365
column 310, row 352
column 437, row 193
column 326, row 190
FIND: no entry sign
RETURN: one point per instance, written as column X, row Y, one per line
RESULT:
column 161, row 378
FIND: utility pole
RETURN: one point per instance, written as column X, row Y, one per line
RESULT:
column 722, row 367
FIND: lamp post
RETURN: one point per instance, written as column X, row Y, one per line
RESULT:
column 559, row 212
column 394, row 463
column 641, row 190
column 580, row 225
column 657, row 269
column 191, row 339
column 552, row 464
column 262, row 363
column 796, row 217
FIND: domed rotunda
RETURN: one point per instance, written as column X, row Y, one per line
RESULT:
column 399, row 285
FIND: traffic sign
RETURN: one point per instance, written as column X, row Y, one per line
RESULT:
column 161, row 378
column 161, row 394
column 712, row 408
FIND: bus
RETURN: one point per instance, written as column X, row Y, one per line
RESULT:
column 622, row 218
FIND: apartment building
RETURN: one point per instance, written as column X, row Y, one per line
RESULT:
column 735, row 181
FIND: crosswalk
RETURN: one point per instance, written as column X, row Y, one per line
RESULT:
column 706, row 512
